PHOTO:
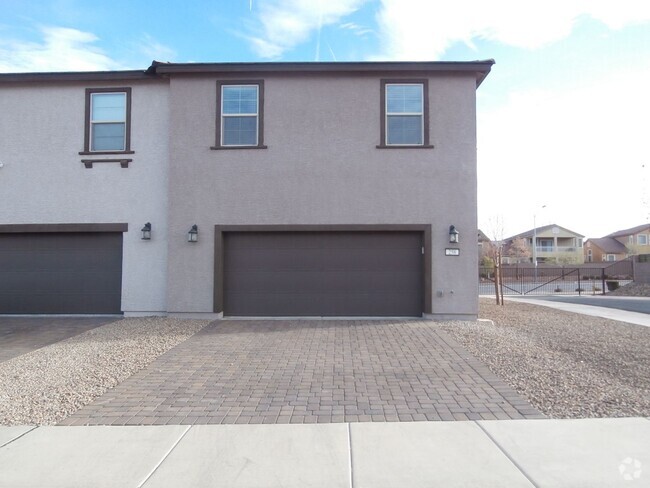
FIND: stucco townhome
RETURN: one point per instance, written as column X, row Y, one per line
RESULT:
column 241, row 189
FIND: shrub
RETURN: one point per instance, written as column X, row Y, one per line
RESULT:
column 558, row 290
column 580, row 290
column 612, row 285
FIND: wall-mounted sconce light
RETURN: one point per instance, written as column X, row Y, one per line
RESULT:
column 146, row 231
column 193, row 234
column 453, row 235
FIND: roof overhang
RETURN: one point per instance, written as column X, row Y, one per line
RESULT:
column 480, row 69
column 76, row 76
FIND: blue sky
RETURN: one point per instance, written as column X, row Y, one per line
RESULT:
column 563, row 118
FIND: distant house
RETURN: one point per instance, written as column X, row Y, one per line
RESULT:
column 604, row 249
column 618, row 245
column 483, row 246
column 553, row 245
column 636, row 239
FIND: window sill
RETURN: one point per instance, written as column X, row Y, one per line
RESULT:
column 395, row 146
column 218, row 148
column 91, row 153
column 88, row 163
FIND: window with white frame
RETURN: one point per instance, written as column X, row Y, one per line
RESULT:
column 611, row 257
column 108, row 113
column 240, row 114
column 642, row 239
column 404, row 114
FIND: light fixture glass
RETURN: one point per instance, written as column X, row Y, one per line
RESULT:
column 193, row 234
column 146, row 231
column 453, row 235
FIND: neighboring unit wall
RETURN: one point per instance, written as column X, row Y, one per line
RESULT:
column 43, row 180
column 322, row 166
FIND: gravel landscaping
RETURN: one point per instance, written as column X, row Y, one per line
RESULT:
column 46, row 385
column 632, row 290
column 567, row 365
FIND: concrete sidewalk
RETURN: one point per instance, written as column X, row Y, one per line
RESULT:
column 595, row 311
column 513, row 453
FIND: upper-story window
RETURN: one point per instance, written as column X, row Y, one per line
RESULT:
column 240, row 107
column 108, row 120
column 405, row 118
column 642, row 239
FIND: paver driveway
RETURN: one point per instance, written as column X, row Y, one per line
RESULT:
column 309, row 371
column 20, row 335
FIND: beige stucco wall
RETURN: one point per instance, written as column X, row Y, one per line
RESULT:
column 322, row 167
column 43, row 180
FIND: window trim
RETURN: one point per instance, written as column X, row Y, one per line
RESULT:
column 260, row 114
column 638, row 239
column 127, row 130
column 425, row 114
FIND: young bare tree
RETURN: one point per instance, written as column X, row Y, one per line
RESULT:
column 519, row 249
column 496, row 228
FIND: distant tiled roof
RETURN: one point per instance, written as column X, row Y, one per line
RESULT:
column 609, row 245
column 529, row 233
column 628, row 232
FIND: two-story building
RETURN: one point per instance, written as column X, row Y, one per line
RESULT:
column 241, row 189
column 619, row 245
column 553, row 244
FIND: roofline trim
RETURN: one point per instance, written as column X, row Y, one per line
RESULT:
column 158, row 69
column 480, row 68
column 76, row 76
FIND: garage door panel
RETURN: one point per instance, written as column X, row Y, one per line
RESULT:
column 60, row 273
column 323, row 273
column 322, row 259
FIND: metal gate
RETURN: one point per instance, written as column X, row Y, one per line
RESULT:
column 525, row 279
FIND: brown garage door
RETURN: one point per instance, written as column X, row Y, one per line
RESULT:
column 323, row 274
column 61, row 273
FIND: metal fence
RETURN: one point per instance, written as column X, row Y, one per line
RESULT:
column 588, row 279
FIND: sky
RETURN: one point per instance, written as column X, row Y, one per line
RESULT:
column 563, row 118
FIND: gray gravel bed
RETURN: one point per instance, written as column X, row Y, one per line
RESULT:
column 45, row 386
column 632, row 290
column 567, row 365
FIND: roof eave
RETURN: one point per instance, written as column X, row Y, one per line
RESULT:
column 480, row 68
column 129, row 75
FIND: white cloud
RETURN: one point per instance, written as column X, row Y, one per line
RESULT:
column 154, row 50
column 578, row 151
column 61, row 49
column 357, row 29
column 283, row 24
column 424, row 30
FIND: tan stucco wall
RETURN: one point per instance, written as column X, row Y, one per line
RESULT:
column 43, row 180
column 322, row 167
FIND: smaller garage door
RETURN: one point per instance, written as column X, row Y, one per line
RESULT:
column 370, row 273
column 70, row 273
